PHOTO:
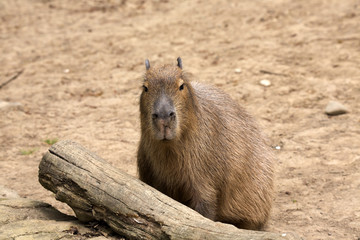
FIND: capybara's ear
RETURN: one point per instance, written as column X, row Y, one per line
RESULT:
column 179, row 62
column 147, row 64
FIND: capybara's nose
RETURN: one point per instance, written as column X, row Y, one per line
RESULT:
column 164, row 115
column 164, row 109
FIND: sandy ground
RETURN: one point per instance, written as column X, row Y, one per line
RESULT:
column 83, row 62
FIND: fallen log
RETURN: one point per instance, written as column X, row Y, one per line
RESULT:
column 95, row 190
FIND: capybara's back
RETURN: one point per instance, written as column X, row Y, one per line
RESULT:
column 201, row 148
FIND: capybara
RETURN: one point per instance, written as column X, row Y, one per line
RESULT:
column 201, row 148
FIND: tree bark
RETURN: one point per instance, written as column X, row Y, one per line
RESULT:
column 95, row 190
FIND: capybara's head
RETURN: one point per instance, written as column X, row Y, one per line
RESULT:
column 164, row 101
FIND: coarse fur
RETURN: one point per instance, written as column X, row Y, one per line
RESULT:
column 209, row 155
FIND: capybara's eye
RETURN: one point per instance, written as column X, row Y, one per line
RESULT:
column 145, row 88
column 181, row 87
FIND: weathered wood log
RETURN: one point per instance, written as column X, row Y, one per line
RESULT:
column 95, row 190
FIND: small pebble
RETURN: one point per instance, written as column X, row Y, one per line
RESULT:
column 66, row 70
column 277, row 147
column 265, row 82
column 335, row 108
column 238, row 70
column 4, row 104
column 284, row 234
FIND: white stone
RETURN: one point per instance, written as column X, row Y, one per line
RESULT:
column 238, row 70
column 335, row 108
column 4, row 104
column 265, row 82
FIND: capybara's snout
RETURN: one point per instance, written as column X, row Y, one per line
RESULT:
column 164, row 118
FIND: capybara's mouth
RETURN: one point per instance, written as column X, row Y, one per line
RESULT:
column 165, row 137
column 164, row 133
column 165, row 140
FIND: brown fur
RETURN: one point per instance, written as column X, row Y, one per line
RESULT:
column 218, row 163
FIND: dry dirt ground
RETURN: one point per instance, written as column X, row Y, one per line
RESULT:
column 83, row 62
